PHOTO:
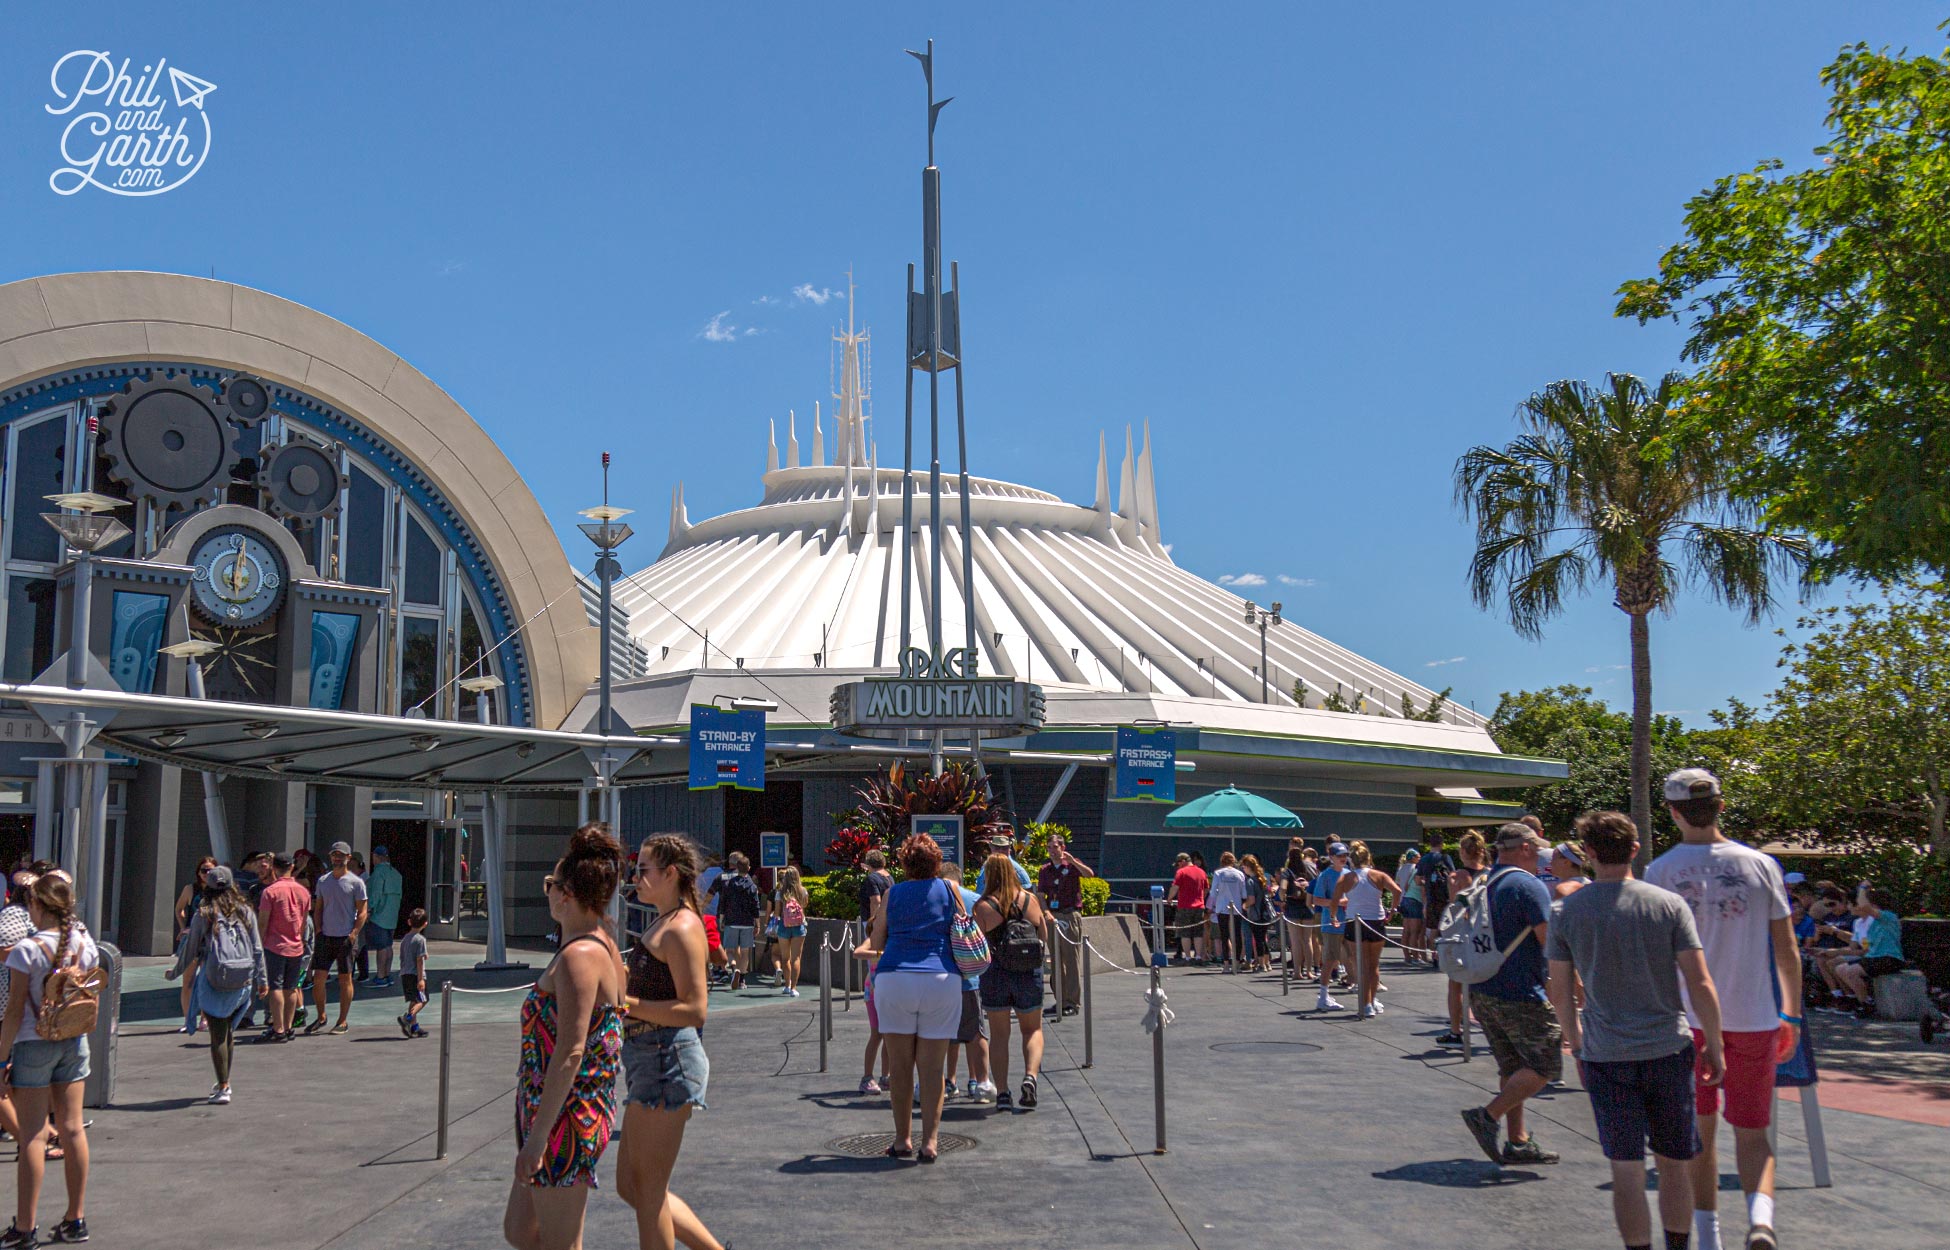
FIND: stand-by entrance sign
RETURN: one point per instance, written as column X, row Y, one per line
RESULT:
column 1147, row 764
column 774, row 850
column 945, row 830
column 727, row 747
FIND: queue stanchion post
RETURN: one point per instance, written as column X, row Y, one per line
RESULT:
column 846, row 966
column 825, row 1000
column 446, row 1065
column 1083, row 978
column 1357, row 927
column 1284, row 928
column 1158, row 1034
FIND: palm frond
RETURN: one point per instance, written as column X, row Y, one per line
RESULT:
column 1738, row 564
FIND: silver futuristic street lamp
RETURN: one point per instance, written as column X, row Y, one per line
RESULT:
column 88, row 530
column 192, row 652
column 1264, row 618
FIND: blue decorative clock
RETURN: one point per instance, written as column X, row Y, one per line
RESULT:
column 239, row 579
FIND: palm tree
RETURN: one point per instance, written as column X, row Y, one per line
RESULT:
column 1604, row 485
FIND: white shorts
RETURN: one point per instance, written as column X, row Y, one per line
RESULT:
column 925, row 1004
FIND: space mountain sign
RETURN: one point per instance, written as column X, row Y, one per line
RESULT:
column 938, row 693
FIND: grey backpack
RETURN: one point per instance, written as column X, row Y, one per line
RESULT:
column 229, row 957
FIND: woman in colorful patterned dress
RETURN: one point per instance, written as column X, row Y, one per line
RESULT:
column 564, row 1093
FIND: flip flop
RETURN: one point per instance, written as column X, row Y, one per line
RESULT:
column 927, row 1156
column 897, row 1152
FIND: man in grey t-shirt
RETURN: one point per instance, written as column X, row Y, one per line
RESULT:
column 1631, row 943
column 339, row 907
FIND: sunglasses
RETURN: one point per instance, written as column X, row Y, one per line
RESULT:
column 549, row 883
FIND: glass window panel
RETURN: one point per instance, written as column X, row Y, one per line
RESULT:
column 38, row 465
column 423, row 565
column 30, row 624
column 419, row 670
column 365, row 531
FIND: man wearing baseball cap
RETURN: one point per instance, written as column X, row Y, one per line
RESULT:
column 341, row 912
column 1740, row 906
column 1513, row 1006
column 1331, row 916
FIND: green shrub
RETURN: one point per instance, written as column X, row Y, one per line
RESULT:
column 834, row 896
column 1096, row 894
column 1916, row 884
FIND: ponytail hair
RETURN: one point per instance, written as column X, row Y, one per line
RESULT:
column 678, row 853
column 53, row 893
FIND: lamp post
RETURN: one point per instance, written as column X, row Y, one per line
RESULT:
column 606, row 528
column 87, row 529
column 1256, row 615
column 191, row 651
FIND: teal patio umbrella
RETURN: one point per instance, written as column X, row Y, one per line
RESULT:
column 1231, row 809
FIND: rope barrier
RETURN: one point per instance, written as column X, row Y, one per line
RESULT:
column 506, row 989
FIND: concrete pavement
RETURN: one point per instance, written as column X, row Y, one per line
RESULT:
column 1354, row 1144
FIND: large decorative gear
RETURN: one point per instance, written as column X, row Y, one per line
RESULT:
column 171, row 441
column 301, row 481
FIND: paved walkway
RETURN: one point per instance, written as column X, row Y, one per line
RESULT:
column 1286, row 1129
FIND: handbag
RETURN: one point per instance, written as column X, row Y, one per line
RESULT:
column 966, row 940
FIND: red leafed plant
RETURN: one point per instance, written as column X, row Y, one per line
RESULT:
column 887, row 802
column 848, row 847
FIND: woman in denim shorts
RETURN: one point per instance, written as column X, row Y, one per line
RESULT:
column 1005, row 990
column 664, row 1062
column 46, row 1075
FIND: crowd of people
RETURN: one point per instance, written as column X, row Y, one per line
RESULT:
column 1678, row 995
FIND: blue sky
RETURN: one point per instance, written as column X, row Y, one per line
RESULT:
column 1322, row 252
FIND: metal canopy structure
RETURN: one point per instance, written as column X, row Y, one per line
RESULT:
column 300, row 744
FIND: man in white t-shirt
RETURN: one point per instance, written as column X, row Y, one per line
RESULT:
column 1740, row 907
column 1227, row 899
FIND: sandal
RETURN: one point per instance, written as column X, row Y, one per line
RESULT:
column 54, row 1152
column 927, row 1156
column 898, row 1152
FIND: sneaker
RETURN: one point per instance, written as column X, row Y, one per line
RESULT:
column 1379, row 1007
column 417, row 1032
column 1328, row 1004
column 792, row 991
column 315, row 1026
column 298, row 1018
column 1484, row 1128
column 1365, row 1013
column 71, row 1231
column 1004, row 1101
column 1761, row 1237
column 220, row 1096
column 948, row 1088
column 1528, row 1151
column 405, row 1023
column 1450, row 1038
column 1027, row 1098
column 14, row 1239
column 869, row 1086
column 981, row 1091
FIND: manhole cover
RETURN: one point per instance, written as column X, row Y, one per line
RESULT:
column 868, row 1145
column 1284, row 1048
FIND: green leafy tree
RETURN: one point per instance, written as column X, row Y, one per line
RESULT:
column 1568, row 723
column 1602, row 486
column 1860, row 737
column 1433, row 711
column 1819, row 302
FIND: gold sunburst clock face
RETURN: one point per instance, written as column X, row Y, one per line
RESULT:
column 244, row 668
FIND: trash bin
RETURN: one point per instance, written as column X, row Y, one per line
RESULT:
column 99, row 1089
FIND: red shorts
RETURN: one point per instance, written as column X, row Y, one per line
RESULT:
column 711, row 933
column 1749, row 1082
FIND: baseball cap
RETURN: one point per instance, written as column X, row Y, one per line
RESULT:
column 1691, row 783
column 1512, row 836
column 1795, row 878
column 281, row 859
column 1337, row 848
column 217, row 877
column 340, row 848
column 379, row 852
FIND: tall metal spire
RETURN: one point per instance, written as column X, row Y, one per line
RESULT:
column 852, row 392
column 933, row 346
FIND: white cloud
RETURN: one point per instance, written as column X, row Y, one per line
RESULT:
column 451, row 268
column 1302, row 582
column 1454, row 659
column 1167, row 547
column 1604, row 668
column 767, row 299
column 718, row 330
column 807, row 293
column 1242, row 579
column 750, row 330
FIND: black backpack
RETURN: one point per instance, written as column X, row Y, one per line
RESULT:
column 1021, row 947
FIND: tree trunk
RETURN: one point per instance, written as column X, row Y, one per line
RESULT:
column 1642, row 737
column 1938, row 802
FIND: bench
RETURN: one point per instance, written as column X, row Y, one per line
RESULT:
column 1901, row 995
